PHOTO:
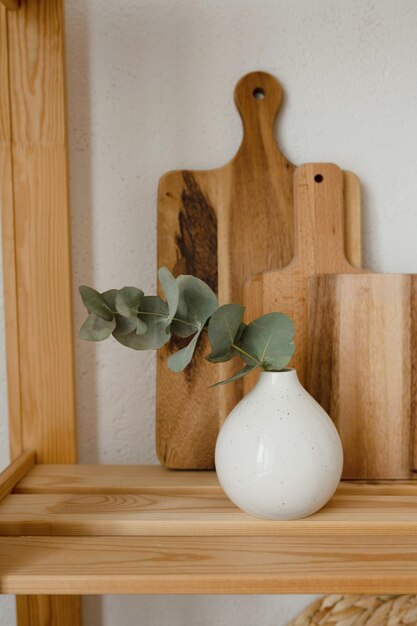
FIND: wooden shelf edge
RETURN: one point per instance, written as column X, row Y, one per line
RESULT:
column 208, row 585
column 210, row 565
column 197, row 516
column 72, row 530
column 147, row 501
column 156, row 479
column 15, row 472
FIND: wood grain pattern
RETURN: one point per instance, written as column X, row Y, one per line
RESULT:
column 352, row 218
column 12, row 5
column 149, row 530
column 9, row 248
column 36, row 248
column 86, row 565
column 222, row 225
column 49, row 610
column 41, row 230
column 123, row 479
column 361, row 342
column 157, row 480
column 15, row 472
column 198, row 515
column 319, row 247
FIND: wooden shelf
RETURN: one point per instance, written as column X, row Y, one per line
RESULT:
column 85, row 529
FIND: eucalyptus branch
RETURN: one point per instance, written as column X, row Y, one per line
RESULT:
column 174, row 319
column 246, row 354
column 190, row 307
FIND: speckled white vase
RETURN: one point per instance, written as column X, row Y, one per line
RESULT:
column 278, row 454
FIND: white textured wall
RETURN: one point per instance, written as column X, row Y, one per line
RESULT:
column 150, row 89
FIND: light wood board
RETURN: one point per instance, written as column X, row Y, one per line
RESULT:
column 36, row 252
column 157, row 480
column 225, row 225
column 150, row 530
column 151, row 500
column 362, row 344
column 198, row 515
column 207, row 565
column 319, row 247
column 38, row 212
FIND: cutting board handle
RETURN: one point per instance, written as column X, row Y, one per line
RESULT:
column 258, row 98
column 319, row 218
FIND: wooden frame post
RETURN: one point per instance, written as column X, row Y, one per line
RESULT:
column 37, row 254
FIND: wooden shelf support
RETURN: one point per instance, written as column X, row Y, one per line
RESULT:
column 37, row 252
column 15, row 472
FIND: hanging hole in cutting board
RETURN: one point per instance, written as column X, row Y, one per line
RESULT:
column 318, row 178
column 258, row 93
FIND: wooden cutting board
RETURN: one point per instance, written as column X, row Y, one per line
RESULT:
column 224, row 226
column 354, row 332
column 362, row 368
column 319, row 247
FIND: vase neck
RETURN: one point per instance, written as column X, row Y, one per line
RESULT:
column 278, row 380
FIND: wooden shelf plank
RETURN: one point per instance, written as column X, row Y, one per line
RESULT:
column 116, row 479
column 83, row 529
column 208, row 565
column 202, row 515
column 91, row 479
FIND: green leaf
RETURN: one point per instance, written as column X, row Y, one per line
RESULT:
column 141, row 327
column 125, row 325
column 180, row 359
column 240, row 374
column 224, row 329
column 94, row 302
column 127, row 301
column 155, row 312
column 268, row 340
column 110, row 299
column 171, row 290
column 95, row 328
column 197, row 302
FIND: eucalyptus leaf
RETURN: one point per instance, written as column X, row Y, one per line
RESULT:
column 141, row 327
column 224, row 329
column 196, row 303
column 268, row 341
column 95, row 328
column 240, row 374
column 110, row 298
column 171, row 290
column 180, row 359
column 125, row 325
column 155, row 311
column 95, row 303
column 128, row 300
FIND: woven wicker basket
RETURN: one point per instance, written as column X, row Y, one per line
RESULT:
column 356, row 610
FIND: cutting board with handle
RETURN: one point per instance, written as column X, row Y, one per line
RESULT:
column 224, row 225
column 356, row 332
column 362, row 368
column 319, row 247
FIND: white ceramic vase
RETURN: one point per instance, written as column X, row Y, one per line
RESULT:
column 278, row 454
